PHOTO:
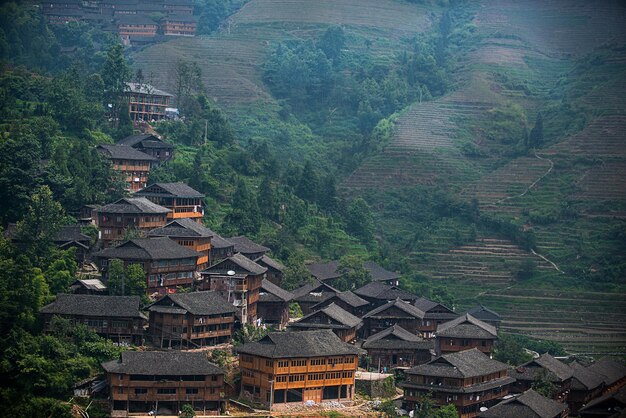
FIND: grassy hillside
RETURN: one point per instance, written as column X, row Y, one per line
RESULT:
column 460, row 198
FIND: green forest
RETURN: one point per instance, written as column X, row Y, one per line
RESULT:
column 289, row 172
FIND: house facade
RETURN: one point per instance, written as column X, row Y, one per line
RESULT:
column 434, row 314
column 284, row 368
column 167, row 265
column 191, row 320
column 396, row 347
column 463, row 333
column 273, row 305
column 545, row 367
column 146, row 103
column 528, row 404
column 151, row 145
column 332, row 317
column 190, row 234
column 395, row 312
column 114, row 317
column 163, row 381
column 182, row 200
column 133, row 165
column 469, row 380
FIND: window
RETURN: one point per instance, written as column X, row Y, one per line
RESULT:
column 298, row 363
column 281, row 379
column 141, row 391
column 296, row 378
column 214, row 378
column 268, row 363
column 166, row 391
column 283, row 363
column 191, row 391
column 120, row 390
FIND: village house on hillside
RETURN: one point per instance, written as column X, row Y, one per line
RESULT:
column 329, row 272
column 151, row 145
column 115, row 317
column 347, row 301
column 88, row 287
column 167, row 265
column 332, row 317
column 238, row 279
column 463, row 333
column 182, row 200
column 546, row 366
column 435, row 313
column 612, row 371
column 190, row 234
column 396, row 347
column 247, row 247
column 273, row 305
column 275, row 269
column 295, row 367
column 395, row 312
column 611, row 405
column 141, row 381
column 467, row 379
column 586, row 385
column 129, row 213
column 487, row 315
column 133, row 165
column 221, row 248
column 146, row 103
column 378, row 293
column 313, row 294
column 191, row 320
column 528, row 404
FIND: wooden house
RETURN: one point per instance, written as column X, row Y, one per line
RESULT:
column 331, row 317
column 88, row 287
column 70, row 236
column 182, row 200
column 179, row 25
column 151, row 145
column 135, row 25
column 190, row 234
column 167, row 265
column 347, row 301
column 313, row 294
column 295, row 367
column 129, row 213
column 133, row 165
column 238, row 279
column 396, row 347
column 468, row 379
column 544, row 367
column 434, row 314
column 463, row 333
column 379, row 293
column 613, row 373
column 275, row 269
column 487, row 315
column 247, row 247
column 161, row 382
column 329, row 272
column 586, row 386
column 115, row 317
column 221, row 248
column 180, row 7
column 610, row 405
column 146, row 103
column 191, row 320
column 394, row 312
column 273, row 305
column 528, row 404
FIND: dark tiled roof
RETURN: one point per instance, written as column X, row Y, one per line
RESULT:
column 169, row 190
column 466, row 326
column 220, row 242
column 396, row 337
column 611, row 370
column 556, row 370
column 196, row 303
column 183, row 227
column 274, row 293
column 585, row 378
column 242, row 261
column 246, row 246
column 318, row 343
column 157, row 248
column 351, row 299
column 94, row 305
column 163, row 363
column 398, row 303
column 133, row 205
column 379, row 273
column 135, row 139
column 383, row 291
column 529, row 404
column 124, row 152
column 71, row 233
column 334, row 312
column 270, row 262
column 145, row 89
column 324, row 271
column 462, row 364
column 613, row 398
column 316, row 292
column 484, row 314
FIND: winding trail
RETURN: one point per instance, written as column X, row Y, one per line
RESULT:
column 533, row 184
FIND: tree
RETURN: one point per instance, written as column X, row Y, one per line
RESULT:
column 353, row 274
column 508, row 350
column 267, row 200
column 129, row 281
column 296, row 273
column 360, row 221
column 535, row 139
column 187, row 411
column 115, row 74
column 188, row 79
column 332, row 42
column 308, row 186
column 543, row 385
column 244, row 217
column 115, row 277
